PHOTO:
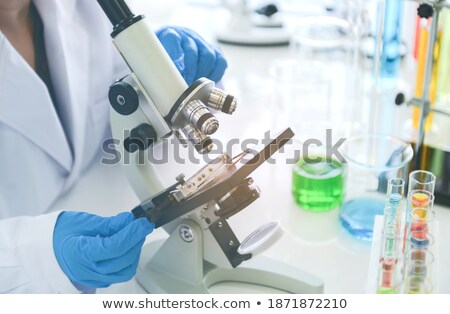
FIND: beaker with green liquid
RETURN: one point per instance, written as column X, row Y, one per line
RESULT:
column 318, row 183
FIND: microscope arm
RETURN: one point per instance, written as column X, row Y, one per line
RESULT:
column 153, row 105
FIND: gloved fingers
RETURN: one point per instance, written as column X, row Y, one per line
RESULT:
column 117, row 264
column 99, row 280
column 190, row 59
column 127, row 273
column 98, row 248
column 206, row 54
column 219, row 69
column 171, row 41
column 111, row 225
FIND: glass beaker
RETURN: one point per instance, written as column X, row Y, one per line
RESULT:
column 302, row 96
column 372, row 161
column 318, row 183
column 331, row 38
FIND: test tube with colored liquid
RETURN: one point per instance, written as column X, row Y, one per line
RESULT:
column 418, row 271
column 420, row 228
column 388, row 271
column 394, row 203
column 391, row 48
column 419, row 201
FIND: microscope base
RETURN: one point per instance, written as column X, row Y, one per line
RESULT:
column 258, row 275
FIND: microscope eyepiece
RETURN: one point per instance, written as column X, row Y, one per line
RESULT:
column 116, row 10
column 119, row 14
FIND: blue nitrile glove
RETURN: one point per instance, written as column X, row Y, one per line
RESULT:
column 192, row 55
column 98, row 251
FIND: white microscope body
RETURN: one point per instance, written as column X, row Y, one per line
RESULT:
column 153, row 106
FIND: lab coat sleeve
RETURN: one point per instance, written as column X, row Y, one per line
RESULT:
column 27, row 261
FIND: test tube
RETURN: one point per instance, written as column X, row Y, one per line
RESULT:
column 419, row 229
column 389, row 276
column 418, row 201
column 420, row 240
column 394, row 203
column 390, row 54
column 422, row 180
column 421, row 221
column 417, row 284
column 419, row 271
column 395, row 191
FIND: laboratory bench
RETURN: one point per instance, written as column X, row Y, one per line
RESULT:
column 313, row 241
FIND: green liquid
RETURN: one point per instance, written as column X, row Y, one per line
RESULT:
column 386, row 290
column 318, row 186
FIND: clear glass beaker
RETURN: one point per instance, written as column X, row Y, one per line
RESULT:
column 371, row 161
column 302, row 96
column 331, row 38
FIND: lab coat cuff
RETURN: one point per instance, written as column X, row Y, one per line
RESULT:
column 39, row 258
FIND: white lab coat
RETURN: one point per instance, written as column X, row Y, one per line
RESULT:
column 38, row 161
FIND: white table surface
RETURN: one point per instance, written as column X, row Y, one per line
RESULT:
column 313, row 241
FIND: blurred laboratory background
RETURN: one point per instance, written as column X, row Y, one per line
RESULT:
column 374, row 72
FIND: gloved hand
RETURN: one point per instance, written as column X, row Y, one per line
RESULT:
column 192, row 55
column 98, row 251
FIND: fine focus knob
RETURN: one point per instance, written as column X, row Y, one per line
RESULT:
column 141, row 138
column 123, row 98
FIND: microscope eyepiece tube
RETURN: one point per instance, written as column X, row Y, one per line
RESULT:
column 220, row 101
column 197, row 113
column 117, row 11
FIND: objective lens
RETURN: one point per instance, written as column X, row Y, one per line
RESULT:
column 202, row 143
column 199, row 115
column 220, row 101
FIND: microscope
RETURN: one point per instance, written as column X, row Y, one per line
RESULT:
column 153, row 106
column 255, row 28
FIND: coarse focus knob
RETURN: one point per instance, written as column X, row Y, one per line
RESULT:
column 141, row 138
column 123, row 98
